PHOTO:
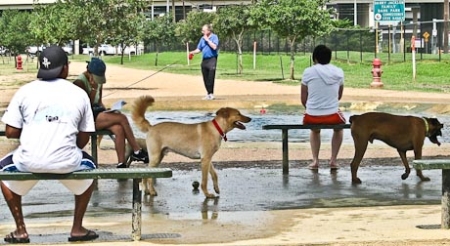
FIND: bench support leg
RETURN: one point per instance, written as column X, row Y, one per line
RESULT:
column 284, row 138
column 136, row 213
column 94, row 149
column 445, row 212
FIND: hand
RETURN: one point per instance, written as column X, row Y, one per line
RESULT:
column 94, row 86
column 206, row 38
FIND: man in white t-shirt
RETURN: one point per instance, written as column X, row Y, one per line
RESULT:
column 53, row 120
column 321, row 90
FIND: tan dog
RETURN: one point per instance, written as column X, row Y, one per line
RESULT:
column 196, row 141
column 401, row 132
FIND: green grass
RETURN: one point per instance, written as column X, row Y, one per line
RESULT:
column 432, row 75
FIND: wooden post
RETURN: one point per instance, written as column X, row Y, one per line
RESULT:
column 446, row 19
column 285, row 148
column 136, row 222
column 445, row 203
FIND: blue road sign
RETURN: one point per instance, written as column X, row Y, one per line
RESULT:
column 385, row 10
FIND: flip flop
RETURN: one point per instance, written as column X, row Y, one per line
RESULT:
column 89, row 236
column 13, row 239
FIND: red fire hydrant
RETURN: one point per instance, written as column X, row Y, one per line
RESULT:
column 19, row 62
column 376, row 74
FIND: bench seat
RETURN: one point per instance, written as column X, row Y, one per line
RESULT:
column 137, row 174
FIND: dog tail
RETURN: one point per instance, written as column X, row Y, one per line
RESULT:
column 138, row 112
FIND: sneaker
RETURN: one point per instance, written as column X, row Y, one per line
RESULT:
column 142, row 155
column 209, row 97
column 121, row 165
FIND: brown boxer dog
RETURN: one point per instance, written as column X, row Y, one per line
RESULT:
column 401, row 132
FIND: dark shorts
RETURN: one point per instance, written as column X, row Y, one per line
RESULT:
column 6, row 164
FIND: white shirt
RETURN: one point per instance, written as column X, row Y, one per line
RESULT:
column 50, row 114
column 323, row 82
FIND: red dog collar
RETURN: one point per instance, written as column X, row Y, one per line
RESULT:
column 222, row 134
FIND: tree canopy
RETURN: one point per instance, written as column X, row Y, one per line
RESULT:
column 294, row 20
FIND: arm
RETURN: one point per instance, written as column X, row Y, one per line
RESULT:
column 304, row 94
column 196, row 51
column 341, row 90
column 100, row 101
column 213, row 42
column 82, row 139
column 12, row 132
column 90, row 94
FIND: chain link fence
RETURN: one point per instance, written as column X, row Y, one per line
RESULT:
column 389, row 43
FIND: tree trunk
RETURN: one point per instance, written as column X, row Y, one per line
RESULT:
column 292, row 44
column 122, row 52
column 240, row 63
column 156, row 57
column 96, row 50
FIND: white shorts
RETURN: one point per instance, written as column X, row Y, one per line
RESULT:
column 21, row 188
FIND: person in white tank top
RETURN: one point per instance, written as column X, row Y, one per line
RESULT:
column 321, row 89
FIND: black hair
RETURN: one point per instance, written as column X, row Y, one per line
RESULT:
column 322, row 54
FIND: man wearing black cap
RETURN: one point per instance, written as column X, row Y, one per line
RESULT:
column 53, row 120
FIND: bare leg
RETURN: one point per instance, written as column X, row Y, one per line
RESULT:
column 14, row 202
column 119, row 142
column 106, row 120
column 314, row 139
column 81, row 203
column 336, row 143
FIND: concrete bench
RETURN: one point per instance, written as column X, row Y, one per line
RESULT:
column 285, row 137
column 444, row 165
column 137, row 174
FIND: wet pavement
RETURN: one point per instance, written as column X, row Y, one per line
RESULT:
column 242, row 190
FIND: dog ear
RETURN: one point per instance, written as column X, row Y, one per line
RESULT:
column 223, row 112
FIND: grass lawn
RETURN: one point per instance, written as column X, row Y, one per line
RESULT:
column 432, row 75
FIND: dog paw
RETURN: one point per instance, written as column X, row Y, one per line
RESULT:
column 424, row 179
column 356, row 181
column 405, row 176
column 216, row 189
column 210, row 195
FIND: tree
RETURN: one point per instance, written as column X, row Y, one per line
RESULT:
column 129, row 32
column 295, row 20
column 160, row 31
column 95, row 19
column 233, row 22
column 190, row 29
column 14, row 30
column 52, row 24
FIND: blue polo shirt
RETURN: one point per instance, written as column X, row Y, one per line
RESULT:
column 206, row 50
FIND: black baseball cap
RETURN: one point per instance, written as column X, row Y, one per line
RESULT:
column 51, row 62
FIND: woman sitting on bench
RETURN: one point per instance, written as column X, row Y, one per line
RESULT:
column 92, row 81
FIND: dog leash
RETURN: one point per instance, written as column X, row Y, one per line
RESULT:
column 151, row 75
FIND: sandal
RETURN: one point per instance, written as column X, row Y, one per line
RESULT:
column 89, row 236
column 334, row 167
column 10, row 238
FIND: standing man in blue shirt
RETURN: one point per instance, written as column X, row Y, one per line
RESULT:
column 208, row 45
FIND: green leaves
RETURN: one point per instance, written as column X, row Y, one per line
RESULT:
column 14, row 30
column 189, row 30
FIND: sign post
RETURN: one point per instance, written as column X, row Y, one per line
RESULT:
column 426, row 35
column 413, row 50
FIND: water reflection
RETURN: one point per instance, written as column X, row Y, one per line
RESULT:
column 208, row 208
